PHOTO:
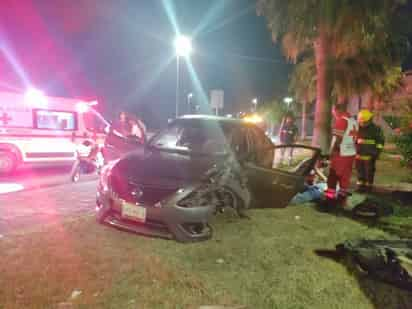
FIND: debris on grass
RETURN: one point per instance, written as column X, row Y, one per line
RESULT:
column 75, row 294
column 65, row 305
column 220, row 261
column 222, row 307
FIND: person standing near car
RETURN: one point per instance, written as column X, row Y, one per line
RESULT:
column 138, row 128
column 342, row 155
column 122, row 125
column 287, row 136
column 369, row 144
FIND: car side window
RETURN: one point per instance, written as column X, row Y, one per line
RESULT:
column 239, row 142
column 261, row 148
column 294, row 159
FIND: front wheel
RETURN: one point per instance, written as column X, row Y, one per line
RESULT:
column 75, row 172
column 102, row 212
column 8, row 163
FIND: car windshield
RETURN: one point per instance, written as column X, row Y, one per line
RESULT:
column 203, row 137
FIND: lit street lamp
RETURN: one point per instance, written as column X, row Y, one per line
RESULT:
column 288, row 100
column 183, row 48
column 255, row 103
column 189, row 98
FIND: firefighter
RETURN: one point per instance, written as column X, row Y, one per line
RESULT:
column 287, row 136
column 342, row 155
column 369, row 145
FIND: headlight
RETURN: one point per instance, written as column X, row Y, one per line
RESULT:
column 105, row 175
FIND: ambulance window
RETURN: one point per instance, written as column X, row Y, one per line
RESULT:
column 94, row 123
column 55, row 120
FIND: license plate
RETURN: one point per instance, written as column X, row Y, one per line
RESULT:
column 133, row 212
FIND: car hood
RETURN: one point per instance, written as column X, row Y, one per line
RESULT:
column 162, row 170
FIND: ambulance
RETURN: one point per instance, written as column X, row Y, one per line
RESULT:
column 41, row 130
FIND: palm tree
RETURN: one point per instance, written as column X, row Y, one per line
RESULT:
column 303, row 85
column 350, row 77
column 331, row 29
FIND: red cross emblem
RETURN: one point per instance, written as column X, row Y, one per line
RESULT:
column 5, row 118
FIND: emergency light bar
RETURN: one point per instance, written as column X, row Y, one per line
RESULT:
column 83, row 107
column 35, row 97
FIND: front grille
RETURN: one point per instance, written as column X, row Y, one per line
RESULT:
column 149, row 194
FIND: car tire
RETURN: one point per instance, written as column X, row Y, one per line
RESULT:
column 237, row 203
column 75, row 172
column 102, row 212
column 8, row 163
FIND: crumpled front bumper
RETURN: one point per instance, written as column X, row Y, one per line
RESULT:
column 165, row 219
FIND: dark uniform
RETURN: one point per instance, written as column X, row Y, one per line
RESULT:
column 369, row 144
column 287, row 136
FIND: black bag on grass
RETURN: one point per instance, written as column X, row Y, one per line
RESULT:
column 386, row 260
column 372, row 207
column 359, row 206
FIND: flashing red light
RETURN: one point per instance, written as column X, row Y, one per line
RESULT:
column 35, row 97
column 82, row 107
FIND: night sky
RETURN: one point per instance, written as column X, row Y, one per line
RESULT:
column 121, row 52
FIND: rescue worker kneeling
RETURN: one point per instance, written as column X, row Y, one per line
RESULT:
column 369, row 144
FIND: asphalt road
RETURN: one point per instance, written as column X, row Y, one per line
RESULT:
column 35, row 178
column 26, row 209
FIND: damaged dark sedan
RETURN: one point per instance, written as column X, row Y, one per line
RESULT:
column 198, row 166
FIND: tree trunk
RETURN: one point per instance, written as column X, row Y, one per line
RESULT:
column 323, row 108
column 304, row 116
column 359, row 102
column 371, row 103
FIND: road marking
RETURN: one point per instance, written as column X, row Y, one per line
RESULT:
column 10, row 187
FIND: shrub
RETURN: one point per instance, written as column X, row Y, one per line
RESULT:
column 404, row 144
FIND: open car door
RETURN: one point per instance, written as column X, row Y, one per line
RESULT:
column 117, row 145
column 275, row 187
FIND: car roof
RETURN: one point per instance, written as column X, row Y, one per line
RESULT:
column 213, row 119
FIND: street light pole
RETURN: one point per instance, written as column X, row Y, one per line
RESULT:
column 177, row 84
column 183, row 48
column 255, row 103
column 189, row 106
column 288, row 100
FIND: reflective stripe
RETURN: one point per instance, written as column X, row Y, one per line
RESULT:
column 330, row 193
column 366, row 141
column 363, row 158
column 338, row 132
column 360, row 182
column 380, row 146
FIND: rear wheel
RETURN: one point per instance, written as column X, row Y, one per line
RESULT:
column 8, row 162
